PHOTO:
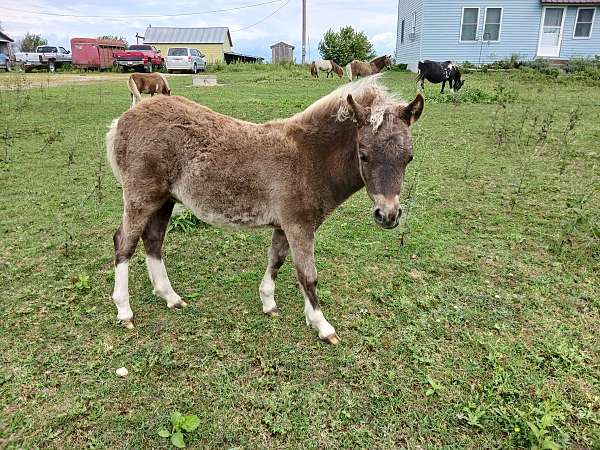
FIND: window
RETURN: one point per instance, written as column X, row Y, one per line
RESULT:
column 63, row 50
column 469, row 25
column 402, row 32
column 177, row 51
column 584, row 23
column 493, row 21
column 414, row 25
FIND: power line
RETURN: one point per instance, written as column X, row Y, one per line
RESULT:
column 197, row 13
column 263, row 19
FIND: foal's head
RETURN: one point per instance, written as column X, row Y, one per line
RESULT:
column 384, row 149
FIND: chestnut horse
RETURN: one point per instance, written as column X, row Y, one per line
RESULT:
column 287, row 174
column 357, row 68
column 326, row 65
column 147, row 83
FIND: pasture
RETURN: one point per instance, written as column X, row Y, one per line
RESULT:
column 475, row 324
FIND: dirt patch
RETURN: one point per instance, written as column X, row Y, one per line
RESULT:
column 20, row 80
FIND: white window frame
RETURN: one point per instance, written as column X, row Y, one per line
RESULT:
column 462, row 18
column 577, row 19
column 500, row 25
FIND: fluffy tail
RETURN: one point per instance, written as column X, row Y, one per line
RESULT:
column 133, row 89
column 166, row 83
column 349, row 71
column 110, row 149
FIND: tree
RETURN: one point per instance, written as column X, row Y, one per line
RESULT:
column 115, row 38
column 345, row 45
column 31, row 41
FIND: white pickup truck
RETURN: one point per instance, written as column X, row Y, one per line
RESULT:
column 48, row 56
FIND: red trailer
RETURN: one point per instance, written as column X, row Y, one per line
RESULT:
column 91, row 53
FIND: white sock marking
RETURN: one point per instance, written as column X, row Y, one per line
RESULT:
column 317, row 319
column 160, row 281
column 267, row 292
column 121, row 292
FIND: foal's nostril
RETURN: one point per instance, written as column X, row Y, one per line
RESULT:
column 399, row 213
column 378, row 215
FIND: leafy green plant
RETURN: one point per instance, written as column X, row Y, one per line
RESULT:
column 180, row 424
column 82, row 282
column 345, row 45
column 184, row 222
column 434, row 387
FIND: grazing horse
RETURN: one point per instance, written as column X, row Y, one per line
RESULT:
column 436, row 72
column 326, row 65
column 147, row 83
column 287, row 174
column 357, row 68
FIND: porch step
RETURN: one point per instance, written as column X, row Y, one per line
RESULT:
column 558, row 62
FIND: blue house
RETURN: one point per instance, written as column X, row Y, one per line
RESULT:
column 484, row 31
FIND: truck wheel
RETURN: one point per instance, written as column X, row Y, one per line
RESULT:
column 8, row 66
column 195, row 69
column 149, row 67
column 51, row 66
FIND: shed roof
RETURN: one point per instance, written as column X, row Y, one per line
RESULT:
column 5, row 37
column 570, row 2
column 171, row 35
column 282, row 44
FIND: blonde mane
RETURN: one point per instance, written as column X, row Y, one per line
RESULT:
column 368, row 92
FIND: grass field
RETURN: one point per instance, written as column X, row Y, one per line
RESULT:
column 476, row 324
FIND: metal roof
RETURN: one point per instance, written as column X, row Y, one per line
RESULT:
column 5, row 37
column 282, row 44
column 169, row 35
column 571, row 2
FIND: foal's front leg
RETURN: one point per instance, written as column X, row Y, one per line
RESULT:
column 277, row 254
column 301, row 242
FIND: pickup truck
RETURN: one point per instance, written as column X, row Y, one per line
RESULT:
column 139, row 57
column 49, row 56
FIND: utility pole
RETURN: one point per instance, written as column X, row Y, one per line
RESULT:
column 303, row 32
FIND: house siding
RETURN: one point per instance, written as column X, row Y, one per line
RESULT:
column 519, row 31
column 213, row 53
column 409, row 52
column 439, row 27
column 580, row 48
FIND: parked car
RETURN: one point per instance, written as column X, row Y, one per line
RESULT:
column 185, row 58
column 139, row 57
column 5, row 62
column 49, row 56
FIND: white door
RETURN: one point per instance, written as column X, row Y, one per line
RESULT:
column 551, row 32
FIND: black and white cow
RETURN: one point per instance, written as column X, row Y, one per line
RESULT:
column 440, row 72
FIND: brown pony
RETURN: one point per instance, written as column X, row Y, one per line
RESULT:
column 357, row 68
column 288, row 175
column 147, row 83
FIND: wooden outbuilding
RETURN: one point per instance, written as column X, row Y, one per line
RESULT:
column 282, row 52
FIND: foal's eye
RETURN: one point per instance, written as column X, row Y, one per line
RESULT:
column 363, row 157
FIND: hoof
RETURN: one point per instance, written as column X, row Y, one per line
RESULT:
column 273, row 312
column 178, row 305
column 127, row 323
column 331, row 339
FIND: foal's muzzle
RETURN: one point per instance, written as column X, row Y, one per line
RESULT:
column 387, row 219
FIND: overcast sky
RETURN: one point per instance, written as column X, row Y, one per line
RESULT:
column 377, row 18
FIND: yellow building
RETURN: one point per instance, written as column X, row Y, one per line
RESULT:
column 213, row 42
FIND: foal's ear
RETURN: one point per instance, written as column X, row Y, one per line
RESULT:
column 411, row 112
column 360, row 112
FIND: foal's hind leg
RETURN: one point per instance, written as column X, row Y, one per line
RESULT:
column 277, row 254
column 153, row 237
column 135, row 217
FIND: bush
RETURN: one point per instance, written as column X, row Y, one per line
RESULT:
column 399, row 67
column 583, row 64
column 542, row 66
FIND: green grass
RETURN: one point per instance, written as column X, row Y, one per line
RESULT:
column 476, row 324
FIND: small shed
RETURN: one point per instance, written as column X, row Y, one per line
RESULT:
column 5, row 44
column 282, row 52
